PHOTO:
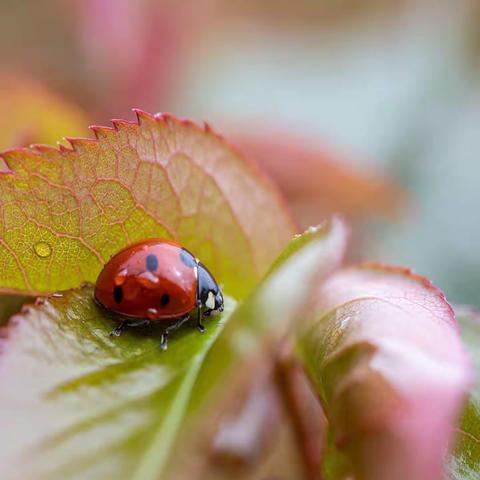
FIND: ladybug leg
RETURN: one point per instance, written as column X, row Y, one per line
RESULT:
column 163, row 341
column 170, row 329
column 117, row 331
column 199, row 325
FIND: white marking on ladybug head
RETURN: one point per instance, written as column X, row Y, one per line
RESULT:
column 210, row 302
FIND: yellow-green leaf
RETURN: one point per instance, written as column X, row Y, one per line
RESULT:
column 30, row 113
column 64, row 212
column 277, row 307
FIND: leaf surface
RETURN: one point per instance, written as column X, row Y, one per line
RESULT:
column 63, row 213
column 279, row 304
column 465, row 462
column 77, row 403
column 386, row 358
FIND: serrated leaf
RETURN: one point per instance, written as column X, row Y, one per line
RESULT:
column 389, row 367
column 465, row 462
column 77, row 403
column 63, row 213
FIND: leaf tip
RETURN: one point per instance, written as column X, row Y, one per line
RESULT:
column 120, row 123
column 43, row 148
column 78, row 144
column 143, row 116
column 100, row 131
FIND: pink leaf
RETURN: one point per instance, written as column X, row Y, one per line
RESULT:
column 317, row 180
column 387, row 360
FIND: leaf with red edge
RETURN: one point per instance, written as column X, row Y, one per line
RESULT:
column 30, row 113
column 388, row 364
column 316, row 180
column 64, row 212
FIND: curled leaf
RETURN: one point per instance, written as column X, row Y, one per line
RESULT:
column 273, row 310
column 64, row 212
column 277, row 305
column 387, row 361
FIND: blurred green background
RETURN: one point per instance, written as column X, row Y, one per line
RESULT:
column 392, row 85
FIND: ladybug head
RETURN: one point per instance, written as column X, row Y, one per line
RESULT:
column 209, row 293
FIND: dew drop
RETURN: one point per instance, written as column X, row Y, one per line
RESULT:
column 43, row 249
column 152, row 313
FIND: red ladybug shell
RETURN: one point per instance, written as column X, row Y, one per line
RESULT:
column 155, row 279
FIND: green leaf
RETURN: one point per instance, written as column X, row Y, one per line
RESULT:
column 275, row 309
column 387, row 362
column 280, row 303
column 63, row 213
column 465, row 462
column 77, row 403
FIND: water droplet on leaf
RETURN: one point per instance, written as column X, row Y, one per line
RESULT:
column 43, row 249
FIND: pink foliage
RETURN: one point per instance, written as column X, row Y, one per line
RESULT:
column 139, row 47
column 403, row 372
column 316, row 179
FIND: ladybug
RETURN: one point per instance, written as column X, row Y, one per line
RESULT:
column 157, row 281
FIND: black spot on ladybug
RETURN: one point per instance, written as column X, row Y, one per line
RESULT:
column 164, row 300
column 152, row 263
column 187, row 258
column 118, row 294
